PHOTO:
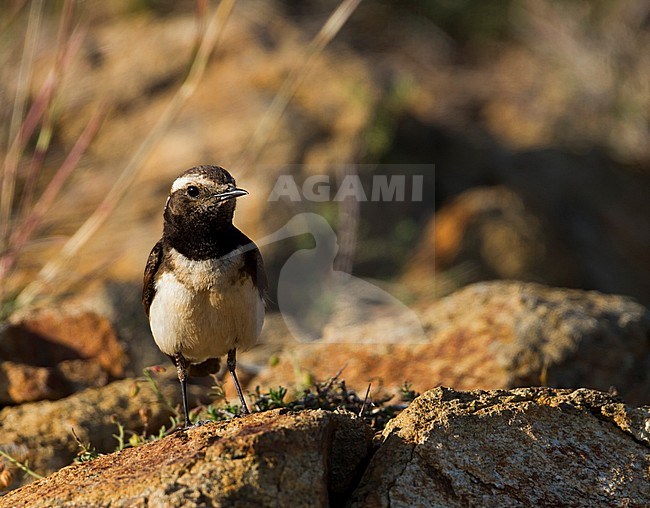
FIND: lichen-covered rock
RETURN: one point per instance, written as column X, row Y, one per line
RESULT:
column 514, row 334
column 523, row 447
column 496, row 335
column 275, row 458
column 40, row 433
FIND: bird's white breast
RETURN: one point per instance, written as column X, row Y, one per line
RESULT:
column 202, row 309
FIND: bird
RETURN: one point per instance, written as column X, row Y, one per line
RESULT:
column 204, row 288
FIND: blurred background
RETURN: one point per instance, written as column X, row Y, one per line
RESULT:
column 535, row 116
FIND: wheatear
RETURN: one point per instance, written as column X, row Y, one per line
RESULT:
column 204, row 283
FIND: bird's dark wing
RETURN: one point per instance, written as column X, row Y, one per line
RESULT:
column 255, row 264
column 150, row 270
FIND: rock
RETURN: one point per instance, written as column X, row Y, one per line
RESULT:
column 82, row 374
column 497, row 235
column 387, row 365
column 49, row 336
column 512, row 334
column 50, row 353
column 524, row 447
column 597, row 208
column 25, row 383
column 274, row 458
column 40, row 432
column 496, row 335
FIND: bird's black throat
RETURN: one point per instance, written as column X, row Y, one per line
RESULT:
column 197, row 237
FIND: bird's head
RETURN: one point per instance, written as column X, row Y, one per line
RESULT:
column 202, row 198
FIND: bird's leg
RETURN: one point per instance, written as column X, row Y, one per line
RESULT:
column 181, row 369
column 232, row 364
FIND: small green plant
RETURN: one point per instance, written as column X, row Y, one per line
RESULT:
column 147, row 372
column 219, row 414
column 334, row 395
column 87, row 451
column 407, row 394
column 134, row 438
column 331, row 395
column 221, row 409
column 174, row 419
column 120, row 434
column 273, row 399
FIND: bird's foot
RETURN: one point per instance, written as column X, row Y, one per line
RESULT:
column 243, row 412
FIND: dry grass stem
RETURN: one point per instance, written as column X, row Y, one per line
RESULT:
column 23, row 126
column 288, row 88
column 348, row 226
column 55, row 266
column 26, row 228
column 68, row 45
column 211, row 32
column 26, row 67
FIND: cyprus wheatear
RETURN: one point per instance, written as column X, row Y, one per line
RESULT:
column 204, row 282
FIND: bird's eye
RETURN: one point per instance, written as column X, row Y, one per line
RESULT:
column 192, row 191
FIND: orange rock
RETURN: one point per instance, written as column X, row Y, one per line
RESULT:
column 49, row 336
column 494, row 335
column 494, row 234
column 51, row 353
column 26, row 383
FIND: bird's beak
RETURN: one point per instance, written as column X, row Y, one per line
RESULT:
column 235, row 193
